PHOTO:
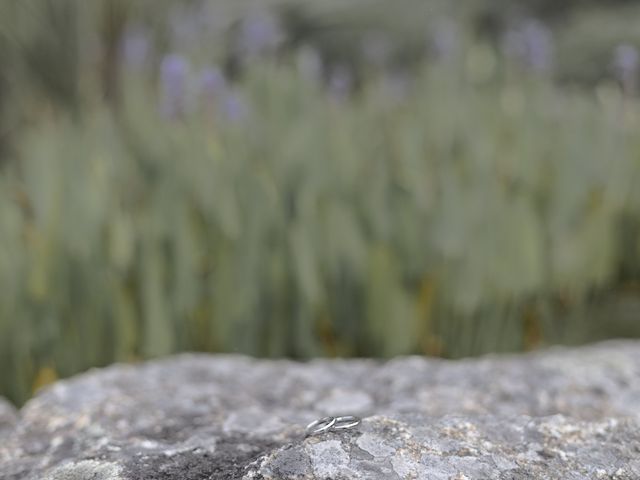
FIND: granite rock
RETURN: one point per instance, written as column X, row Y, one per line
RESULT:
column 8, row 417
column 415, row 446
column 561, row 413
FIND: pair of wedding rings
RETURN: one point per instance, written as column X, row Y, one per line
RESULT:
column 333, row 424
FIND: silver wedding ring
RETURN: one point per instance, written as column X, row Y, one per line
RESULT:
column 319, row 426
column 326, row 424
column 348, row 421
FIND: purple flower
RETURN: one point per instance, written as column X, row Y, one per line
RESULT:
column 532, row 44
column 135, row 47
column 340, row 83
column 539, row 44
column 235, row 107
column 174, row 71
column 444, row 38
column 212, row 83
column 626, row 58
column 260, row 32
column 626, row 63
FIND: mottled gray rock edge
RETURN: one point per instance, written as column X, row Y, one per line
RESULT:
column 562, row 413
column 462, row 447
column 8, row 417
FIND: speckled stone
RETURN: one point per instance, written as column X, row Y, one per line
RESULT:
column 415, row 446
column 557, row 414
column 8, row 417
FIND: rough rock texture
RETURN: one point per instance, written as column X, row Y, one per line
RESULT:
column 8, row 417
column 559, row 414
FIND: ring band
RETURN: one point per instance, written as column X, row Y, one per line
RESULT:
column 348, row 421
column 322, row 425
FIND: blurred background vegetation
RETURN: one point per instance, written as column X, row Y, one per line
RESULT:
column 314, row 178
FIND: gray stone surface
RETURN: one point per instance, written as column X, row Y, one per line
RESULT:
column 461, row 447
column 8, row 417
column 565, row 414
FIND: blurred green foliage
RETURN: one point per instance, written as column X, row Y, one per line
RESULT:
column 488, row 210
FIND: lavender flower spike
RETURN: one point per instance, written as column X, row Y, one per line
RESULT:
column 532, row 45
column 626, row 62
column 539, row 46
column 135, row 47
column 236, row 108
column 173, row 78
column 340, row 83
column 445, row 39
column 212, row 83
column 260, row 33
